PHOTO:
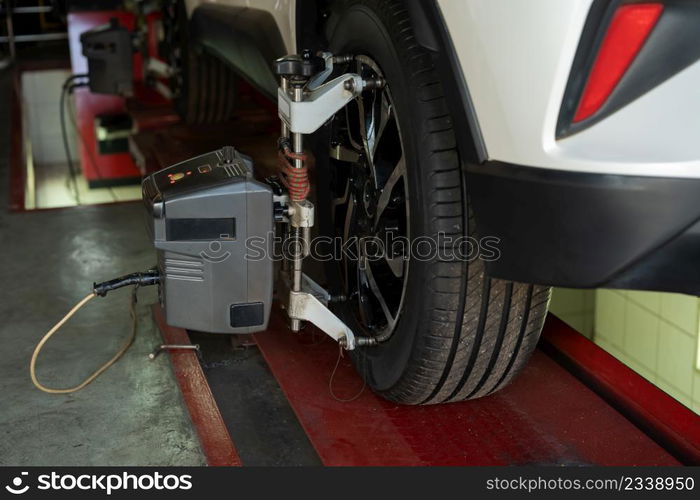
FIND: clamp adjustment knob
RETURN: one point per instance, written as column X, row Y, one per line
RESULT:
column 299, row 67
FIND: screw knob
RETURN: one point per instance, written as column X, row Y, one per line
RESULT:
column 299, row 67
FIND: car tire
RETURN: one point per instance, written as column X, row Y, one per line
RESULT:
column 461, row 334
column 204, row 87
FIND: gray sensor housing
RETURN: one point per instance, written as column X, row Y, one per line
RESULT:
column 212, row 225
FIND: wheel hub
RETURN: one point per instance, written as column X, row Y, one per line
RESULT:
column 369, row 201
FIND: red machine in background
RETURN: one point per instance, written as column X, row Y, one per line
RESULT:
column 105, row 122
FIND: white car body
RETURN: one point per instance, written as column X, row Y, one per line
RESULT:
column 516, row 62
column 636, row 165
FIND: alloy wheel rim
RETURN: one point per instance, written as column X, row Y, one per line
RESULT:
column 370, row 208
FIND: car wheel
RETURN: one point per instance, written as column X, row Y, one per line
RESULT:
column 203, row 86
column 387, row 164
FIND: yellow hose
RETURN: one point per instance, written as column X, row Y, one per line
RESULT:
column 99, row 371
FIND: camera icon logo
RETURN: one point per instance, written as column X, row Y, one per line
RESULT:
column 216, row 254
column 16, row 487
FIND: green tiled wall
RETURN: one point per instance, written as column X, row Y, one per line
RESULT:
column 655, row 334
column 575, row 307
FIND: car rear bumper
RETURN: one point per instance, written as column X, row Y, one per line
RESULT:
column 584, row 230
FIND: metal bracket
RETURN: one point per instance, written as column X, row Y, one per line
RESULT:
column 311, row 304
column 158, row 68
column 310, row 286
column 318, row 80
column 304, row 106
column 301, row 213
column 305, row 306
column 318, row 105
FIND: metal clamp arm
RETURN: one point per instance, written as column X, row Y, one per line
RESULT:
column 319, row 105
column 304, row 306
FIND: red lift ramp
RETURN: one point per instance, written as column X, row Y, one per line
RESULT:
column 546, row 417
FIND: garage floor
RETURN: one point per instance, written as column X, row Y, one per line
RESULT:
column 133, row 414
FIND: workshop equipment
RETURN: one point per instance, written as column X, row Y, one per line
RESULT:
column 109, row 52
column 101, row 116
column 203, row 215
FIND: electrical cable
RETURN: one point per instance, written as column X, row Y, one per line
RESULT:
column 93, row 161
column 330, row 382
column 67, row 88
column 150, row 277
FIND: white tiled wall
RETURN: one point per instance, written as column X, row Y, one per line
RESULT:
column 48, row 174
column 574, row 307
column 41, row 94
column 655, row 334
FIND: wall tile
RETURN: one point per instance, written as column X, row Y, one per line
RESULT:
column 41, row 91
column 649, row 300
column 612, row 350
column 610, row 317
column 575, row 308
column 655, row 334
column 631, row 363
column 676, row 358
column 641, row 334
column 567, row 301
column 681, row 310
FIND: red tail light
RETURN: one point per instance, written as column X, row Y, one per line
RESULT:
column 629, row 28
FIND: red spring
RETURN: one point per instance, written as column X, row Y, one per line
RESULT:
column 295, row 179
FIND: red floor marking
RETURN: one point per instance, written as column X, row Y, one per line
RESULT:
column 216, row 442
column 546, row 416
column 673, row 425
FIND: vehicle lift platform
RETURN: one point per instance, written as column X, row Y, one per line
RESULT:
column 574, row 404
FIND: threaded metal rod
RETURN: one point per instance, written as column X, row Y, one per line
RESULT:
column 297, row 235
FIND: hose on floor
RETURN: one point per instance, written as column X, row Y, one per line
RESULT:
column 139, row 279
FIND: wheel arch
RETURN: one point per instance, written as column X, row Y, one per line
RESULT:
column 431, row 33
column 247, row 39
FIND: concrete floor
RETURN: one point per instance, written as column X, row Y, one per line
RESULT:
column 133, row 414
